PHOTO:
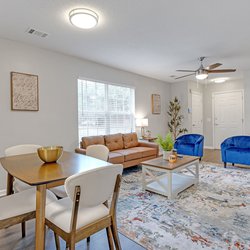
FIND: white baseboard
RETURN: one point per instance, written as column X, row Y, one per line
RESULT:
column 2, row 192
column 208, row 147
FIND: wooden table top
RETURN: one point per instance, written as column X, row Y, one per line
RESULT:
column 164, row 164
column 33, row 171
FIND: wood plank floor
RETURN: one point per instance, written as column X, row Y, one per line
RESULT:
column 10, row 239
column 212, row 155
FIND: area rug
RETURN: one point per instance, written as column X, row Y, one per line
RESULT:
column 213, row 215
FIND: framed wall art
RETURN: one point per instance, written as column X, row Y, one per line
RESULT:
column 24, row 92
column 156, row 104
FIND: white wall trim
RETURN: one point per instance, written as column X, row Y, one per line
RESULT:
column 243, row 108
column 208, row 147
column 2, row 192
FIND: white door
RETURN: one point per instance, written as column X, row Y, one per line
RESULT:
column 197, row 113
column 228, row 115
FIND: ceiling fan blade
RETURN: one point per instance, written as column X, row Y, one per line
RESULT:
column 213, row 66
column 221, row 71
column 184, row 76
column 183, row 70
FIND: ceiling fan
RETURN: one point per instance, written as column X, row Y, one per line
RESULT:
column 202, row 73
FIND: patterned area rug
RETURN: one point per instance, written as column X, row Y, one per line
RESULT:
column 213, row 215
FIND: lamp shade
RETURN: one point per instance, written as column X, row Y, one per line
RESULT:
column 141, row 122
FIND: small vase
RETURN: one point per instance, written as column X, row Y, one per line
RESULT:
column 166, row 154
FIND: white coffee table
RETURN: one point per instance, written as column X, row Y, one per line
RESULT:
column 170, row 182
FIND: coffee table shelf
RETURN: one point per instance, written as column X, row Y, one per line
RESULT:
column 179, row 183
column 164, row 178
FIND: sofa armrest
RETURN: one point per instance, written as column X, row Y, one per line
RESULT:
column 176, row 143
column 149, row 145
column 198, row 147
column 80, row 151
column 200, row 139
column 227, row 143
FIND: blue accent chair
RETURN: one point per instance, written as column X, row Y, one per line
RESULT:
column 190, row 144
column 236, row 149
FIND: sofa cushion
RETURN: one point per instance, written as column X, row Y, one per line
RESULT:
column 115, row 158
column 130, row 140
column 60, row 213
column 92, row 140
column 146, row 151
column 130, row 153
column 114, row 142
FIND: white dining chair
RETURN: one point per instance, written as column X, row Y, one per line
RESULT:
column 19, row 150
column 85, row 211
column 100, row 152
column 20, row 207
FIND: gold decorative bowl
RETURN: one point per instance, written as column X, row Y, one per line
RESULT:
column 50, row 153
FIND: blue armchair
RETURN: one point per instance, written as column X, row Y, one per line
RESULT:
column 190, row 144
column 236, row 149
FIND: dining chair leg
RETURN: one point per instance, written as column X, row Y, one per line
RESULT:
column 57, row 241
column 88, row 239
column 23, row 229
column 110, row 238
column 72, row 245
column 115, row 235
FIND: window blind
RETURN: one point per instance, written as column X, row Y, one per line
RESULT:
column 104, row 108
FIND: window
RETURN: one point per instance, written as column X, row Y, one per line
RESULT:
column 104, row 108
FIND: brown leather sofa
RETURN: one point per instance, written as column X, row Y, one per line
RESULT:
column 124, row 148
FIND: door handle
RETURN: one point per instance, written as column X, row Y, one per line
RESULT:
column 216, row 124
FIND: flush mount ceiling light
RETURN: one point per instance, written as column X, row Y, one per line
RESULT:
column 83, row 18
column 201, row 74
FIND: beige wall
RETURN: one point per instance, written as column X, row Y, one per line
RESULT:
column 56, row 121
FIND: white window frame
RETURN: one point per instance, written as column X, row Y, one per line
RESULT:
column 108, row 113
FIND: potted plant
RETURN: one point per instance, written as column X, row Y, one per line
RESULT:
column 176, row 118
column 166, row 144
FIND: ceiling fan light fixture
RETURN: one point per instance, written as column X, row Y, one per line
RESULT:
column 201, row 74
column 83, row 18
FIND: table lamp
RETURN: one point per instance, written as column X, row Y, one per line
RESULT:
column 142, row 122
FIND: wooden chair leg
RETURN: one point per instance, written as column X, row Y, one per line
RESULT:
column 115, row 235
column 225, row 164
column 57, row 241
column 23, row 229
column 72, row 245
column 232, row 164
column 110, row 238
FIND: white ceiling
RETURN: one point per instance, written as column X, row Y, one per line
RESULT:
column 147, row 37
